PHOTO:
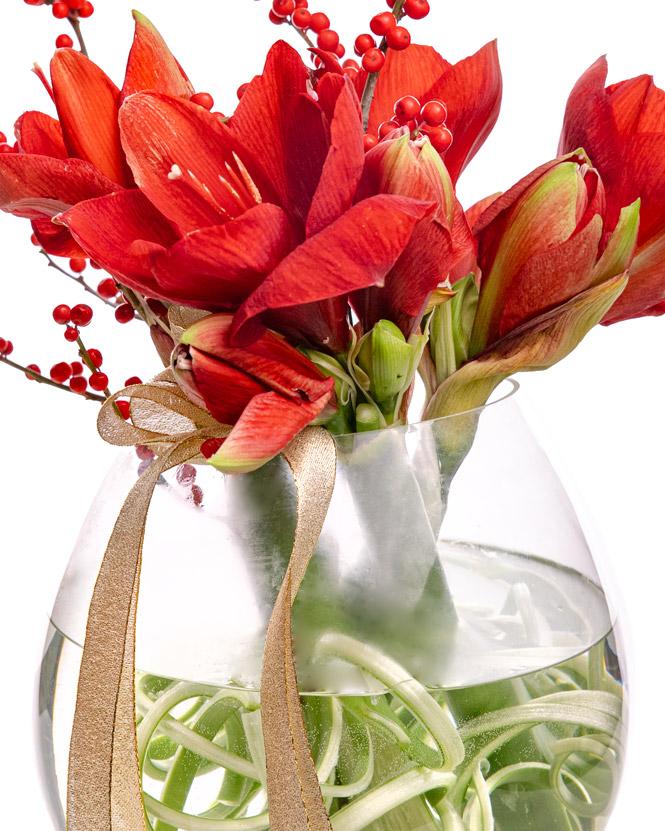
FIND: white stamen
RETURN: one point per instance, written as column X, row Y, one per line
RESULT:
column 175, row 172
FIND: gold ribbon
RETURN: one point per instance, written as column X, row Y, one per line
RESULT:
column 104, row 783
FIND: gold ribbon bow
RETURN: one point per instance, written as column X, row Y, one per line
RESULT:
column 104, row 784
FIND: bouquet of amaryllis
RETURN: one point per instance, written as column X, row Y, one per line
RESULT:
column 334, row 329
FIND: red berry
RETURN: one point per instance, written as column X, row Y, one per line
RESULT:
column 440, row 138
column 34, row 240
column 203, row 99
column 328, row 39
column 63, row 42
column 77, row 367
column 77, row 264
column 6, row 148
column 60, row 372
column 406, row 108
column 60, row 10
column 301, row 18
column 340, row 51
column 319, row 22
column 275, row 18
column 86, row 9
column 71, row 334
column 382, row 23
column 93, row 264
column 351, row 72
column 283, row 8
column 75, row 5
column 369, row 141
column 6, row 347
column 78, row 384
column 81, row 314
column 186, row 475
column 434, row 113
column 416, row 9
column 144, row 453
column 34, row 368
column 99, row 381
column 387, row 127
column 197, row 495
column 124, row 313
column 242, row 89
column 96, row 357
column 373, row 60
column 62, row 314
column 350, row 64
column 302, row 4
column 398, row 38
column 133, row 380
column 3, row 138
column 363, row 43
column 107, row 288
column 123, row 407
column 210, row 447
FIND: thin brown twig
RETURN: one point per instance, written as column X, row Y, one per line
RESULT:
column 77, row 279
column 373, row 77
column 76, row 26
column 302, row 33
column 42, row 379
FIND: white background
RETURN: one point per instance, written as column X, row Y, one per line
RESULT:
column 601, row 410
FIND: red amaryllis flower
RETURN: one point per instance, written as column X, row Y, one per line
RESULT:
column 440, row 241
column 256, row 216
column 268, row 390
column 622, row 128
column 471, row 89
column 79, row 156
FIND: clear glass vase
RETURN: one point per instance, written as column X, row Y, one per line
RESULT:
column 457, row 656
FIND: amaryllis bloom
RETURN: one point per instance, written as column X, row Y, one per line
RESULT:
column 438, row 243
column 549, row 271
column 79, row 155
column 542, row 243
column 622, row 129
column 471, row 89
column 269, row 390
column 258, row 216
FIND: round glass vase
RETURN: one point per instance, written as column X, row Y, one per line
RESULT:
column 457, row 656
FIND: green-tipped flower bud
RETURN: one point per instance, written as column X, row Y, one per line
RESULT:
column 386, row 357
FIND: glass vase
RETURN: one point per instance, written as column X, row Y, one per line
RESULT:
column 458, row 659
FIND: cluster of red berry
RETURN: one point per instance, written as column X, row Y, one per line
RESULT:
column 186, row 477
column 65, row 9
column 428, row 119
column 384, row 25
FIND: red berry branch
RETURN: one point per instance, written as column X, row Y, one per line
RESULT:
column 77, row 266
column 73, row 11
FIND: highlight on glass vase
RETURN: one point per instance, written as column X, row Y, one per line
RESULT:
column 331, row 583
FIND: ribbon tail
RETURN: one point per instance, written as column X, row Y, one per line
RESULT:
column 295, row 802
column 104, row 786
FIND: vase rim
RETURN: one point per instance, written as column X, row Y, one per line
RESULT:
column 510, row 391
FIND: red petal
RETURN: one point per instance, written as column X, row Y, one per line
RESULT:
column 55, row 239
column 343, row 166
column 552, row 278
column 323, row 325
column 306, row 136
column 39, row 186
column 151, row 64
column 87, row 104
column 41, row 135
column 643, row 176
column 260, row 117
column 226, row 391
column 120, row 232
column 354, row 252
column 645, row 292
column 217, row 268
column 267, row 425
column 626, row 101
column 270, row 359
column 183, row 158
column 413, row 71
column 472, row 91
column 589, row 123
